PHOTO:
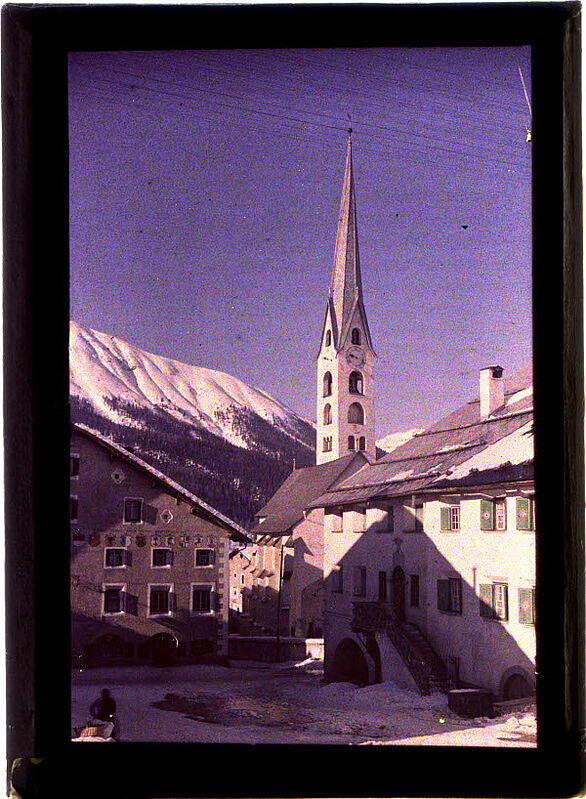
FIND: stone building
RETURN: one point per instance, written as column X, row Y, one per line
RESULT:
column 149, row 561
column 429, row 553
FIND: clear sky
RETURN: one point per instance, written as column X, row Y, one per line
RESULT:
column 204, row 198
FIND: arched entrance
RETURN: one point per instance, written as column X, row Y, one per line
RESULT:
column 517, row 687
column 398, row 593
column 164, row 649
column 349, row 663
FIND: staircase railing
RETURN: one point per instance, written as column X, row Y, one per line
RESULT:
column 376, row 617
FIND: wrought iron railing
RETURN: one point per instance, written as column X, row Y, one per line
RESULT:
column 378, row 617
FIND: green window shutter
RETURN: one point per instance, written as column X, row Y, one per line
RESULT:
column 445, row 523
column 526, row 614
column 486, row 514
column 443, row 594
column 523, row 513
column 485, row 598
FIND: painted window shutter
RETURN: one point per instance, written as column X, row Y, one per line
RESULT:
column 485, row 596
column 526, row 613
column 523, row 513
column 445, row 519
column 443, row 594
column 486, row 514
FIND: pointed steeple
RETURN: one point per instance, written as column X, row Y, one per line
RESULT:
column 346, row 286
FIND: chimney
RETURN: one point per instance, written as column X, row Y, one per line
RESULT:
column 492, row 390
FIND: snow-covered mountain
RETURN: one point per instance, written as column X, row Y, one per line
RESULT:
column 231, row 444
column 109, row 372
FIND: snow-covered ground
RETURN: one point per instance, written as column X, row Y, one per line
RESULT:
column 281, row 703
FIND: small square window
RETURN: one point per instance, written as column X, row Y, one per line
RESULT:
column 205, row 557
column 162, row 557
column 133, row 510
column 114, row 557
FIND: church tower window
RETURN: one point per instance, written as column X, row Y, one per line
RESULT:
column 351, row 443
column 327, row 384
column 355, row 414
column 328, row 338
column 362, row 443
column 356, row 338
column 327, row 413
column 355, row 383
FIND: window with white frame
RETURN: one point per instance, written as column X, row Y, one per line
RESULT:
column 450, row 517
column 201, row 598
column 160, row 600
column 113, row 599
column 133, row 510
column 494, row 600
column 161, row 557
column 493, row 514
column 449, row 595
column 114, row 557
column 205, row 557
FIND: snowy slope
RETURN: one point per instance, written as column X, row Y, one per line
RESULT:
column 104, row 368
column 394, row 440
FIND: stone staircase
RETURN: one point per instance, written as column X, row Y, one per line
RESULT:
column 438, row 673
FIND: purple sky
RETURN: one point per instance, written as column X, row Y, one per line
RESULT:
column 204, row 198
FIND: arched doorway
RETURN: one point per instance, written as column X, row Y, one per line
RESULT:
column 398, row 593
column 349, row 663
column 164, row 649
column 517, row 687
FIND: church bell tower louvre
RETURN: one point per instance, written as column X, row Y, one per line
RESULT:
column 345, row 364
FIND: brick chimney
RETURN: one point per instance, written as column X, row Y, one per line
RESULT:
column 492, row 390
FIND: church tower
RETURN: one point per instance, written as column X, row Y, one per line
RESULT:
column 345, row 364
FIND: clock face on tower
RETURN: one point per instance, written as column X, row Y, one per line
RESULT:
column 355, row 356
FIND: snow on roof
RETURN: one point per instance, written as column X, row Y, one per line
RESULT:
column 515, row 448
column 163, row 478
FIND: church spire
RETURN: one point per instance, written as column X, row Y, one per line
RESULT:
column 346, row 286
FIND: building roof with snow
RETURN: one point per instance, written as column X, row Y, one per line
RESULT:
column 237, row 533
column 286, row 507
column 462, row 449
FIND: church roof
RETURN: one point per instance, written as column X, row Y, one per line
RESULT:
column 460, row 450
column 285, row 508
column 345, row 295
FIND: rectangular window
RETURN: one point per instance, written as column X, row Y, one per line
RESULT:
column 205, row 557
column 419, row 517
column 359, row 588
column 73, row 508
column 391, row 519
column 162, row 557
column 201, row 599
column 525, row 507
column 382, row 586
column 113, row 599
column 493, row 514
column 449, row 595
column 338, row 579
column 494, row 602
column 160, row 600
column 133, row 510
column 414, row 590
column 527, row 605
column 74, row 465
column 114, row 557
column 450, row 517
